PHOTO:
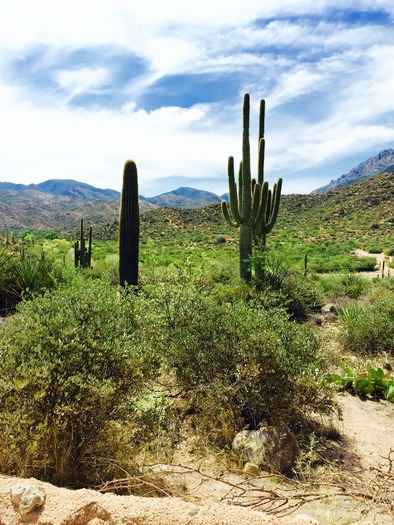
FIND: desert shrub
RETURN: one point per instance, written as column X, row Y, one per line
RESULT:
column 70, row 364
column 239, row 361
column 339, row 286
column 281, row 286
column 375, row 249
column 369, row 328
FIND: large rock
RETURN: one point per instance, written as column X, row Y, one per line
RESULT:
column 272, row 448
column 27, row 497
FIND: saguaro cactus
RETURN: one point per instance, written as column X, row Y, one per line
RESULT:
column 252, row 206
column 129, row 226
column 83, row 255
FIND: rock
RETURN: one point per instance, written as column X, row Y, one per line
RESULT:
column 27, row 497
column 268, row 447
column 193, row 511
column 329, row 308
column 251, row 468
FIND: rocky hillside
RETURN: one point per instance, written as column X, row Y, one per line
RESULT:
column 382, row 162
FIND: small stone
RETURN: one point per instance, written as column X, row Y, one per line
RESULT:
column 251, row 468
column 27, row 497
column 193, row 511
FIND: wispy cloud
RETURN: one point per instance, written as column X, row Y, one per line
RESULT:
column 84, row 86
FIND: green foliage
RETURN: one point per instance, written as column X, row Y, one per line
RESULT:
column 284, row 287
column 29, row 276
column 338, row 285
column 71, row 363
column 237, row 359
column 372, row 383
column 369, row 329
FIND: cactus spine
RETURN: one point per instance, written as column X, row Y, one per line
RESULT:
column 129, row 227
column 252, row 206
column 83, row 255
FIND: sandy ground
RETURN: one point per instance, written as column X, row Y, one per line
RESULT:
column 380, row 258
column 367, row 429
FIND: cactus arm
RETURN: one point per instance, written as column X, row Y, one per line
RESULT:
column 226, row 215
column 260, row 219
column 82, row 254
column 261, row 120
column 256, row 203
column 275, row 205
column 89, row 254
column 240, row 184
column 261, row 158
column 246, row 171
column 233, row 200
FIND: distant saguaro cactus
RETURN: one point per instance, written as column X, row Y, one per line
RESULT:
column 252, row 206
column 129, row 227
column 83, row 255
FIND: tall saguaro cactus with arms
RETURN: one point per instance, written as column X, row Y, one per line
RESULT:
column 252, row 206
column 129, row 226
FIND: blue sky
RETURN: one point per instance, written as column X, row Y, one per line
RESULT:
column 86, row 85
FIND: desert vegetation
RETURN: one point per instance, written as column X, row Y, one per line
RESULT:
column 89, row 370
column 96, row 381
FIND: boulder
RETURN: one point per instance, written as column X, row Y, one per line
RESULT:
column 270, row 448
column 27, row 497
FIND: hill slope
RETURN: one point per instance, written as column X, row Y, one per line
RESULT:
column 361, row 210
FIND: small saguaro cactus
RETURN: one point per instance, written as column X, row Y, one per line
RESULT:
column 129, row 227
column 252, row 206
column 83, row 255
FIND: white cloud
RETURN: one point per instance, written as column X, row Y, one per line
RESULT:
column 344, row 71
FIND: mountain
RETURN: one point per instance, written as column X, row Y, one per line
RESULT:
column 383, row 162
column 185, row 198
column 180, row 198
column 66, row 188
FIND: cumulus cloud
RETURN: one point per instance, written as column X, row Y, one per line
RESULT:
column 86, row 85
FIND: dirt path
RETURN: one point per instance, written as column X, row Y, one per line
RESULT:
column 368, row 427
column 380, row 259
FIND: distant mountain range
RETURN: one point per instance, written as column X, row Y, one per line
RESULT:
column 72, row 189
column 65, row 188
column 58, row 204
column 383, row 162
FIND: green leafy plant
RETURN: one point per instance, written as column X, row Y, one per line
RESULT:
column 369, row 329
column 373, row 382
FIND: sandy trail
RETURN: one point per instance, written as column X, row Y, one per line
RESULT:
column 380, row 259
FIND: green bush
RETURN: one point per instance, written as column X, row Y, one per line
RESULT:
column 344, row 285
column 70, row 364
column 284, row 287
column 369, row 329
column 239, row 360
